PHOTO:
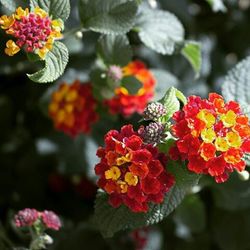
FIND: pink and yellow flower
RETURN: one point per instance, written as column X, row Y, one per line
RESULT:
column 73, row 108
column 131, row 172
column 34, row 31
column 126, row 103
column 212, row 135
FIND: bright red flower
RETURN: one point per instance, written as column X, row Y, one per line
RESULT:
column 73, row 108
column 125, row 103
column 132, row 172
column 212, row 135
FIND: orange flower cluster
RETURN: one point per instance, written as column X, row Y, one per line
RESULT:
column 73, row 108
column 131, row 172
column 125, row 103
column 212, row 135
column 33, row 31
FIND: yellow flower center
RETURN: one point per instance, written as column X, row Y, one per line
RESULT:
column 206, row 117
column 233, row 139
column 229, row 119
column 221, row 144
column 113, row 173
column 208, row 135
column 131, row 179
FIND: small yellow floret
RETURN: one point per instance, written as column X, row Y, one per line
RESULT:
column 113, row 173
column 131, row 179
column 207, row 117
column 208, row 135
column 233, row 139
column 20, row 12
column 11, row 48
column 6, row 21
column 40, row 12
column 221, row 144
column 229, row 119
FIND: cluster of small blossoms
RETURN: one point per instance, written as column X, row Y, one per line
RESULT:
column 132, row 172
column 126, row 103
column 34, row 31
column 28, row 217
column 73, row 108
column 212, row 136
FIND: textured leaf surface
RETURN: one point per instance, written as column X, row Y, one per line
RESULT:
column 171, row 102
column 114, row 49
column 109, row 16
column 159, row 30
column 131, row 84
column 237, row 84
column 192, row 52
column 9, row 4
column 55, row 63
column 56, row 8
column 110, row 220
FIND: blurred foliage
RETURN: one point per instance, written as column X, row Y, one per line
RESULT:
column 45, row 169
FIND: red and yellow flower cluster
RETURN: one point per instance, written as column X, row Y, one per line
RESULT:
column 212, row 135
column 125, row 103
column 72, row 108
column 33, row 31
column 132, row 172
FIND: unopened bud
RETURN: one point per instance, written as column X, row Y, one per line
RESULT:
column 154, row 111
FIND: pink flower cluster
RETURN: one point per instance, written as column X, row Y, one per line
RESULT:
column 27, row 217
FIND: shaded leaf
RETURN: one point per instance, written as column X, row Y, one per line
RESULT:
column 237, row 84
column 55, row 63
column 159, row 30
column 109, row 16
column 9, row 4
column 131, row 84
column 114, row 49
column 192, row 52
column 55, row 8
column 110, row 220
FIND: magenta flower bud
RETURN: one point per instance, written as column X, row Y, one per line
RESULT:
column 26, row 217
column 51, row 220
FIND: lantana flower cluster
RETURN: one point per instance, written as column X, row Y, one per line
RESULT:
column 212, row 136
column 28, row 217
column 33, row 31
column 132, row 172
column 73, row 108
column 126, row 103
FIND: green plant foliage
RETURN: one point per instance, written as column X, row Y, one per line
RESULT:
column 108, row 17
column 131, row 84
column 55, row 8
column 237, row 83
column 114, row 49
column 55, row 63
column 9, row 4
column 191, row 214
column 233, row 195
column 192, row 52
column 110, row 220
column 159, row 30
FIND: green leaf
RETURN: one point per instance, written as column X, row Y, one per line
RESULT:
column 217, row 5
column 55, row 63
column 232, row 195
column 110, row 220
column 55, row 8
column 164, row 80
column 230, row 230
column 237, row 84
column 114, row 49
column 131, row 84
column 171, row 102
column 192, row 52
column 9, row 4
column 159, row 30
column 109, row 16
column 191, row 213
